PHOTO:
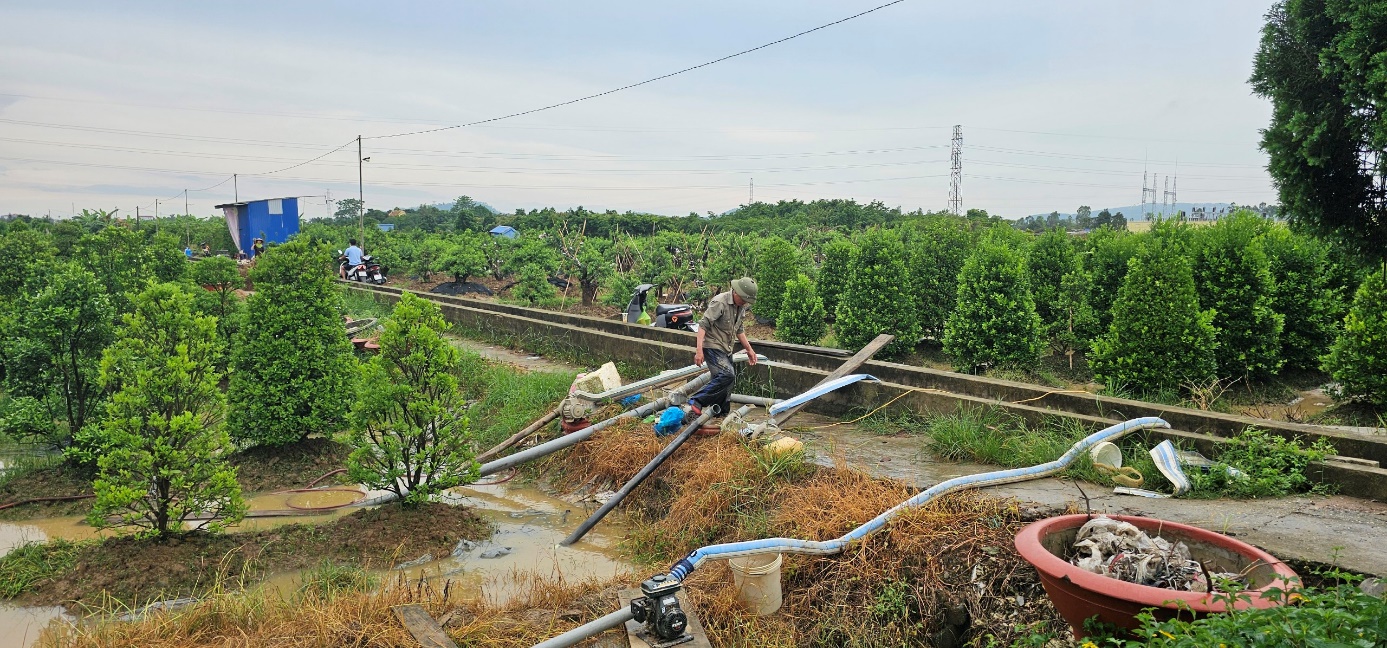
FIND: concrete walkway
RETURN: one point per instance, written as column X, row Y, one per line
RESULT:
column 1338, row 529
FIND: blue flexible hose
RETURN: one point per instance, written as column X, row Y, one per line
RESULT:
column 686, row 565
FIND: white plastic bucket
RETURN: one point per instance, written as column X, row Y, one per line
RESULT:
column 1106, row 453
column 757, row 579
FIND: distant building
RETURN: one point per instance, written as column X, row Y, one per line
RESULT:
column 504, row 230
column 273, row 219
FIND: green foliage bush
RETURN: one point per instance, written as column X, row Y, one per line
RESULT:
column 1358, row 359
column 1301, row 295
column 1159, row 339
column 29, row 255
column 163, row 458
column 802, row 315
column 53, row 353
column 1270, row 466
column 878, row 298
column 464, row 258
column 220, row 274
column 777, row 263
column 1341, row 616
column 291, row 362
column 835, row 271
column 532, row 286
column 1234, row 279
column 936, row 250
column 994, row 323
column 1105, row 261
column 406, row 426
column 586, row 259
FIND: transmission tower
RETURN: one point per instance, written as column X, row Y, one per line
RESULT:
column 1170, row 193
column 956, row 171
column 1147, row 194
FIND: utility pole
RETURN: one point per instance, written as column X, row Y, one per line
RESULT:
column 156, row 209
column 235, row 189
column 360, row 194
column 185, row 203
column 956, row 171
column 137, row 217
column 751, row 192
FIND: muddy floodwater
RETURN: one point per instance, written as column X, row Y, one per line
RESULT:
column 529, row 525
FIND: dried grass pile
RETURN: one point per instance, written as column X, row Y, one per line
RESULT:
column 945, row 575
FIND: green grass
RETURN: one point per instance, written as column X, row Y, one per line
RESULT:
column 360, row 305
column 992, row 436
column 30, row 564
column 507, row 399
column 327, row 580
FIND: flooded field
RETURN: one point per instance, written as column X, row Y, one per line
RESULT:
column 528, row 527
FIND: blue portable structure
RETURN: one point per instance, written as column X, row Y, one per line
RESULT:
column 504, row 230
column 385, row 227
column 273, row 219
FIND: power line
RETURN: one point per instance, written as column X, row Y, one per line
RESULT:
column 641, row 83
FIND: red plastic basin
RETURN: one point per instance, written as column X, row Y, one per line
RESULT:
column 1080, row 595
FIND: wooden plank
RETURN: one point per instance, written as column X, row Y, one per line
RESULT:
column 850, row 365
column 425, row 630
column 635, row 632
column 515, row 438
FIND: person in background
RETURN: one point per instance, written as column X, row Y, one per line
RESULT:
column 206, row 250
column 257, row 248
column 722, row 324
column 353, row 254
column 188, row 251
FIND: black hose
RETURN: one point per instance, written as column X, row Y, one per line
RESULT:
column 649, row 468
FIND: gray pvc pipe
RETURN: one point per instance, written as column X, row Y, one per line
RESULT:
column 589, row 629
column 676, row 396
column 759, row 401
column 669, row 449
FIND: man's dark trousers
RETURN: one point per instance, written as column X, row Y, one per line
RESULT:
column 719, row 389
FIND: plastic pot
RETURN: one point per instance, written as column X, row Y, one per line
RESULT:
column 1080, row 595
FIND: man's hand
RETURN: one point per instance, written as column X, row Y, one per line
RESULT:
column 750, row 358
column 698, row 357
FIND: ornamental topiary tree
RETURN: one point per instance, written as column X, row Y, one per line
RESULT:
column 878, row 299
column 219, row 274
column 1301, row 295
column 777, row 264
column 53, row 354
column 532, row 286
column 1358, row 359
column 994, row 323
column 407, row 425
column 1234, row 279
column 1105, row 261
column 163, row 457
column 1159, row 339
column 292, row 363
column 937, row 250
column 835, row 271
column 1049, row 261
column 802, row 315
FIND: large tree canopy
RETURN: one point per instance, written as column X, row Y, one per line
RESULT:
column 1322, row 65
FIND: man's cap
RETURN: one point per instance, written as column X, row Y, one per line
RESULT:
column 745, row 288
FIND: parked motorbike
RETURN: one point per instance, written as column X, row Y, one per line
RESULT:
column 369, row 270
column 671, row 316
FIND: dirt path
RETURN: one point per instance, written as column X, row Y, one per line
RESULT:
column 496, row 353
column 1338, row 529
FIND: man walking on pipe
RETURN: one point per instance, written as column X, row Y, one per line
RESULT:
column 722, row 324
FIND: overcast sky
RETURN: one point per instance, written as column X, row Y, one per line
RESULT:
column 1062, row 103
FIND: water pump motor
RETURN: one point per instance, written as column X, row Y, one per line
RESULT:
column 665, row 623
